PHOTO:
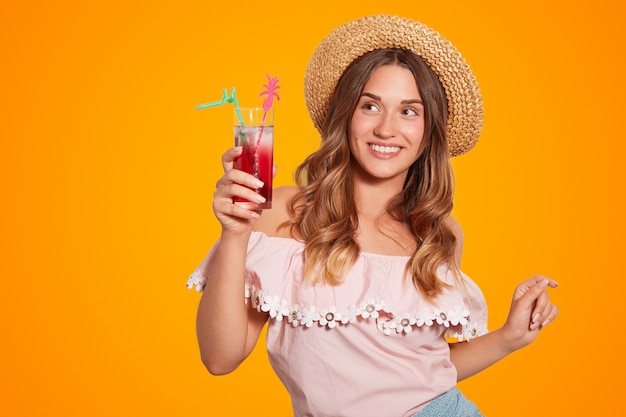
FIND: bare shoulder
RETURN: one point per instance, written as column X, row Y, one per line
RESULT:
column 271, row 219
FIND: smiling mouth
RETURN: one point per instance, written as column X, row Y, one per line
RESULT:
column 384, row 149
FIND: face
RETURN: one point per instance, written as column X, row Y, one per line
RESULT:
column 387, row 126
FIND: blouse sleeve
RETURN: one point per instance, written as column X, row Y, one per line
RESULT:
column 474, row 301
column 263, row 258
column 197, row 278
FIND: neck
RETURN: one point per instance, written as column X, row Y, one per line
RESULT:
column 372, row 198
column 378, row 232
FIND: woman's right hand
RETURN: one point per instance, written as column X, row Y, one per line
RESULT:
column 236, row 217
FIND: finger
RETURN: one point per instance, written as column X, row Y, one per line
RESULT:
column 247, row 180
column 230, row 210
column 229, row 157
column 237, row 192
column 226, row 184
column 529, row 298
column 551, row 312
column 525, row 286
column 224, row 205
column 541, row 310
column 539, row 278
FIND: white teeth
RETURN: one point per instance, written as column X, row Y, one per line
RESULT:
column 384, row 149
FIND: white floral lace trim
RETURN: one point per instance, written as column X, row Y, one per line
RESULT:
column 456, row 321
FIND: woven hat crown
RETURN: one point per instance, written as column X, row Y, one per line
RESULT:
column 351, row 40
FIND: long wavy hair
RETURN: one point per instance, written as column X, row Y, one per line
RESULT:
column 323, row 212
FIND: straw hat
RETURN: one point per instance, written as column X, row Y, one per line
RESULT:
column 353, row 39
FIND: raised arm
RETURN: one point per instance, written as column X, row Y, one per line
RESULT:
column 531, row 310
column 226, row 327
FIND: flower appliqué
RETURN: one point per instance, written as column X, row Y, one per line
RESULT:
column 350, row 314
column 401, row 324
column 309, row 316
column 329, row 317
column 370, row 309
column 276, row 307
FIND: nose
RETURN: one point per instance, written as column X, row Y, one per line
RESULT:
column 385, row 128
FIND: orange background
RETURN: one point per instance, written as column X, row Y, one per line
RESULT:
column 108, row 171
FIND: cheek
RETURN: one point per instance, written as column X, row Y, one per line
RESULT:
column 417, row 131
column 356, row 125
column 353, row 140
column 417, row 137
column 356, row 131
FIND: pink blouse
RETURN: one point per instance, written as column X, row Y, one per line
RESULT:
column 371, row 345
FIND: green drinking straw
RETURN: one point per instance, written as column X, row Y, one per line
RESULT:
column 227, row 99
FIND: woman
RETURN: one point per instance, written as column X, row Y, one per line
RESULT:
column 357, row 268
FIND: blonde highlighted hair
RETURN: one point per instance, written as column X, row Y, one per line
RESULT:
column 324, row 214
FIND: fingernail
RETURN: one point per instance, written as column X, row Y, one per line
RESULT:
column 545, row 323
column 536, row 317
column 255, row 215
column 258, row 183
column 259, row 198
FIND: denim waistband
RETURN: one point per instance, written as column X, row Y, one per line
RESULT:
column 450, row 404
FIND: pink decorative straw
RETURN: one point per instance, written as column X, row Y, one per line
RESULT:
column 269, row 93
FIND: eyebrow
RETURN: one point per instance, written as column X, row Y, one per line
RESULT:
column 378, row 98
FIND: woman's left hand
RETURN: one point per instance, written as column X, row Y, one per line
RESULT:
column 531, row 310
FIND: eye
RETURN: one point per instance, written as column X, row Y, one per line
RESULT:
column 369, row 106
column 409, row 111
